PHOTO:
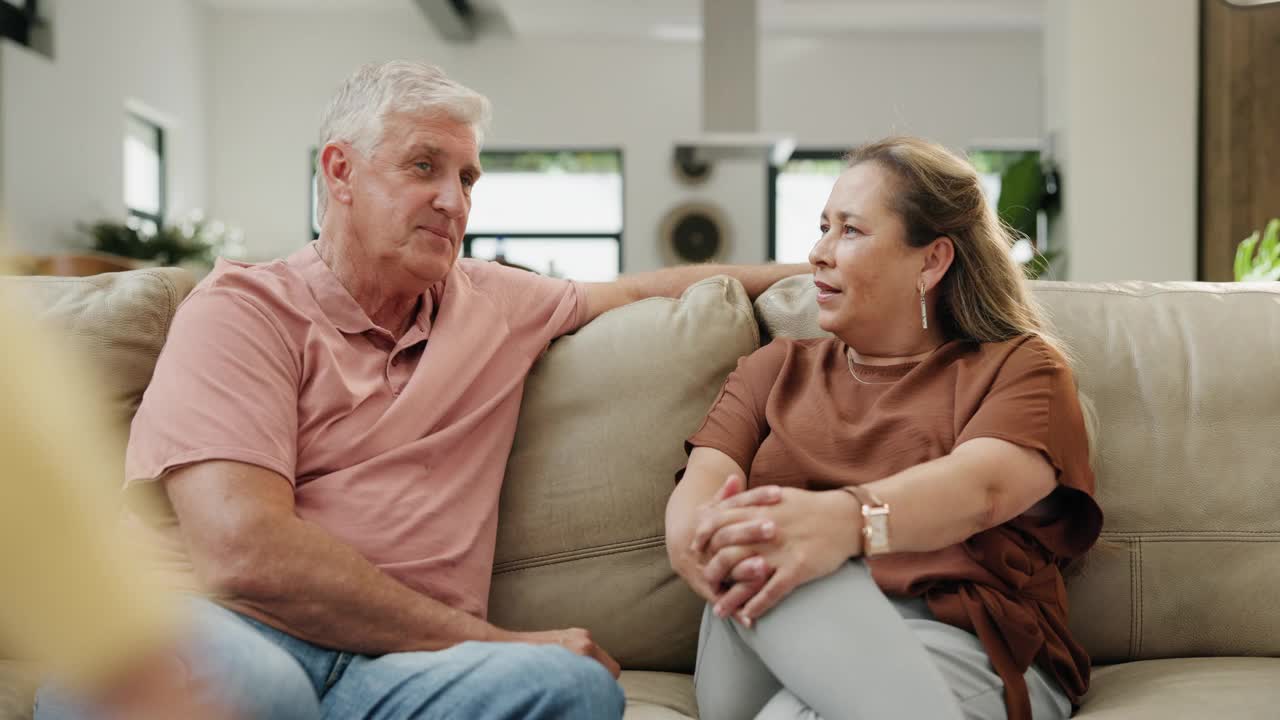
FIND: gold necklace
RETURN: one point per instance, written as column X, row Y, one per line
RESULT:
column 849, row 359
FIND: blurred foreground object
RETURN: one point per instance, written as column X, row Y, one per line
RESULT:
column 72, row 264
column 73, row 598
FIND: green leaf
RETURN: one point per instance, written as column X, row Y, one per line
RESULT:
column 1244, row 256
column 1022, row 194
column 1269, row 251
column 1039, row 264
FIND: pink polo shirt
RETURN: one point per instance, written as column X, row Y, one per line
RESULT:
column 396, row 448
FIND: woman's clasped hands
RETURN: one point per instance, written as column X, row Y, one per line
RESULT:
column 751, row 548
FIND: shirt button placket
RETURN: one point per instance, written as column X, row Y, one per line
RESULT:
column 393, row 377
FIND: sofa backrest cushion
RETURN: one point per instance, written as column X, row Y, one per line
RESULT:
column 600, row 438
column 1182, row 379
column 118, row 320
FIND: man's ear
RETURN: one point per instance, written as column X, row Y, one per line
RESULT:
column 336, row 170
column 938, row 257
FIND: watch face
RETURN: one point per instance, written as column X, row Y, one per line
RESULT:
column 876, row 530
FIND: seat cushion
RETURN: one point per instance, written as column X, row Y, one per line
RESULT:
column 599, row 440
column 17, row 690
column 658, row 696
column 1236, row 688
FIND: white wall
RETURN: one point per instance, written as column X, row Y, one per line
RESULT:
column 62, row 120
column 271, row 74
column 1122, row 99
column 952, row 87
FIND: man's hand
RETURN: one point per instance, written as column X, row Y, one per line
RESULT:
column 770, row 549
column 576, row 640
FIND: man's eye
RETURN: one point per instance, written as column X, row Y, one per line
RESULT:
column 468, row 181
column 851, row 230
column 423, row 166
column 824, row 228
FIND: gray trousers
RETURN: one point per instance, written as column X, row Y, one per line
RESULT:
column 838, row 648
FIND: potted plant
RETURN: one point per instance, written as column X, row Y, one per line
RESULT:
column 195, row 242
column 1027, row 188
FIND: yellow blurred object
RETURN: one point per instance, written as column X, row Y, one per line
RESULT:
column 71, row 597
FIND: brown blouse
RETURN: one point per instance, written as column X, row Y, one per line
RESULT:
column 792, row 414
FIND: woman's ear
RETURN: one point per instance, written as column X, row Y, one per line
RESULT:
column 937, row 260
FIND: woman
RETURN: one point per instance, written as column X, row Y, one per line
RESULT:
column 917, row 484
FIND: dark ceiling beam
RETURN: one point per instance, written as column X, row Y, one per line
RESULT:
column 16, row 22
column 453, row 19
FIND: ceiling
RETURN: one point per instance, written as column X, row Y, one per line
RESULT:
column 680, row 19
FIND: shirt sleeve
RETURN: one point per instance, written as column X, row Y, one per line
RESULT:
column 736, row 424
column 535, row 305
column 225, row 388
column 1033, row 403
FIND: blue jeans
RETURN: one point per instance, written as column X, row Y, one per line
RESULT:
column 261, row 673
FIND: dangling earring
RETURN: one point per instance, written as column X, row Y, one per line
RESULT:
column 924, row 313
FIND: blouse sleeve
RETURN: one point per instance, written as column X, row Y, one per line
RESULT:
column 1033, row 402
column 735, row 424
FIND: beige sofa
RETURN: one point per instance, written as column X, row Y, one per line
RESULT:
column 1180, row 611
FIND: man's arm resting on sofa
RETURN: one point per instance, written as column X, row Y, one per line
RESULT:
column 258, row 556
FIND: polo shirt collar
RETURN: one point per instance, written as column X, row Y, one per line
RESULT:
column 336, row 302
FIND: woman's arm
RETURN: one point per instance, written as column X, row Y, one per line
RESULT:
column 983, row 483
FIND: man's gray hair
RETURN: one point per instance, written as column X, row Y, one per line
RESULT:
column 377, row 90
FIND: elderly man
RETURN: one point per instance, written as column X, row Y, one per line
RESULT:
column 332, row 430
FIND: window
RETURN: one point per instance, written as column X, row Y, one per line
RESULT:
column 144, row 181
column 798, row 192
column 557, row 212
column 1016, row 186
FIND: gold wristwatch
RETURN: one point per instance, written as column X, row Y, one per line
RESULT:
column 875, row 521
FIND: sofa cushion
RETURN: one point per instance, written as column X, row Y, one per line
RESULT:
column 1183, row 379
column 600, row 437
column 658, row 696
column 789, row 309
column 119, row 320
column 1236, row 688
column 1181, row 376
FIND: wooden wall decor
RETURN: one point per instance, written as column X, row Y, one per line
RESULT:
column 1239, row 129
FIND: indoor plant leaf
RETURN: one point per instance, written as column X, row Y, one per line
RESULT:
column 1244, row 256
column 1269, row 250
column 1021, row 194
